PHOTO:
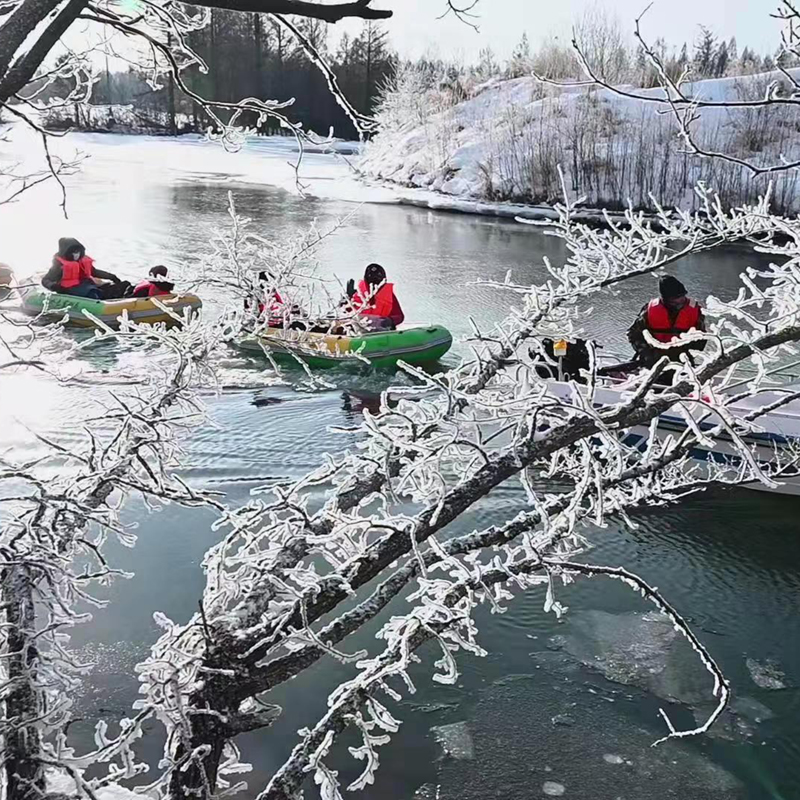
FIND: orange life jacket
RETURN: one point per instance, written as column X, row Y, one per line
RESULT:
column 74, row 273
column 382, row 303
column 150, row 287
column 665, row 330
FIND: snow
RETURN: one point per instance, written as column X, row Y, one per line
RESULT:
column 326, row 172
column 460, row 159
column 261, row 160
column 496, row 144
column 62, row 783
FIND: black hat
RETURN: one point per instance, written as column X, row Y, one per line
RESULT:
column 670, row 287
column 67, row 245
column 374, row 274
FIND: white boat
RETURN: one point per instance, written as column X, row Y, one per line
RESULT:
column 773, row 439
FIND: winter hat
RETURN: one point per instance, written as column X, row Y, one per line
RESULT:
column 374, row 274
column 670, row 288
column 67, row 245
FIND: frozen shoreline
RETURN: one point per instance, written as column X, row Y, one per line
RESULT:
column 261, row 161
column 436, row 201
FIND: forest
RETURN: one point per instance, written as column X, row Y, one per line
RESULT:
column 249, row 56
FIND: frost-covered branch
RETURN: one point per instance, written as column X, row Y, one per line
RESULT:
column 437, row 449
column 53, row 531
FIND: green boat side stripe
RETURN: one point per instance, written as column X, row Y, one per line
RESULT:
column 412, row 344
column 350, row 355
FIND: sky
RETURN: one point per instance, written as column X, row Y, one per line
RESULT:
column 415, row 29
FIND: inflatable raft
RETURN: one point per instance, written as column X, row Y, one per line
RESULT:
column 6, row 280
column 382, row 349
column 40, row 301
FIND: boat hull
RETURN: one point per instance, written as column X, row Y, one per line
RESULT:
column 381, row 349
column 6, row 280
column 777, row 437
column 137, row 309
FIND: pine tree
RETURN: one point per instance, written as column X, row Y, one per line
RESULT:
column 521, row 63
column 721, row 59
column 733, row 50
column 372, row 53
column 704, row 52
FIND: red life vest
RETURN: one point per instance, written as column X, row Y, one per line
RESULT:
column 275, row 307
column 151, row 289
column 382, row 303
column 664, row 330
column 74, row 273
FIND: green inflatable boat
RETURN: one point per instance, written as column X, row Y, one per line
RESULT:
column 382, row 349
column 40, row 301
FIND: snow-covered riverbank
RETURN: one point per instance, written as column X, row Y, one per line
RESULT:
column 508, row 139
column 481, row 165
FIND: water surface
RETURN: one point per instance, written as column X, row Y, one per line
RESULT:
column 727, row 559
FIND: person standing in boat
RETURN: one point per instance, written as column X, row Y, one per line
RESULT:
column 375, row 298
column 73, row 272
column 665, row 318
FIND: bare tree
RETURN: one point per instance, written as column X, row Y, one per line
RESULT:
column 52, row 537
column 432, row 452
column 20, row 58
column 686, row 102
column 17, row 178
column 603, row 43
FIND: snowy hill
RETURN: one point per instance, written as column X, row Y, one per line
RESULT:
column 506, row 141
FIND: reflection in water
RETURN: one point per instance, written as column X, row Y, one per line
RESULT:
column 355, row 402
column 725, row 558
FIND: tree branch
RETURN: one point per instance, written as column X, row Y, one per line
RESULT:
column 328, row 13
column 21, row 72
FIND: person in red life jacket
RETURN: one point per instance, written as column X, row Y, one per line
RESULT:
column 375, row 298
column 665, row 318
column 153, row 286
column 273, row 297
column 73, row 272
column 264, row 298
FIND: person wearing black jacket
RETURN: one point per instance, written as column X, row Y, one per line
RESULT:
column 73, row 272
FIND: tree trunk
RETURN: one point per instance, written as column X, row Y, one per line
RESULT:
column 173, row 128
column 258, row 48
column 258, row 59
column 23, row 775
column 212, row 55
column 368, row 76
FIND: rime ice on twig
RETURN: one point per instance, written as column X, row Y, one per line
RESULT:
column 277, row 580
column 53, row 528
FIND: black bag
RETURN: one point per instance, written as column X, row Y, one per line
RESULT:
column 566, row 367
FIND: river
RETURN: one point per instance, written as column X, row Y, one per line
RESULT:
column 727, row 559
